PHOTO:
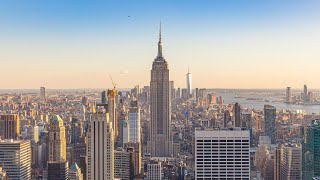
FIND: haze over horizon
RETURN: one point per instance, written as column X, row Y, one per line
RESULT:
column 226, row 44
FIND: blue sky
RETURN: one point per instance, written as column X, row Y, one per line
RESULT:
column 239, row 43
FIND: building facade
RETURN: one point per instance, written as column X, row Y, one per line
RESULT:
column 291, row 155
column 122, row 164
column 100, row 147
column 9, row 126
column 57, row 140
column 311, row 150
column 222, row 154
column 58, row 170
column 154, row 170
column 15, row 158
column 270, row 122
column 160, row 139
column 134, row 122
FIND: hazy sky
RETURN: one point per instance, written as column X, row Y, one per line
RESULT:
column 226, row 43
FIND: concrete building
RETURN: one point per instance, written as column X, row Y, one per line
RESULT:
column 160, row 138
column 122, row 164
column 222, row 154
column 57, row 140
column 154, row 170
column 9, row 126
column 100, row 147
column 135, row 157
column 15, row 158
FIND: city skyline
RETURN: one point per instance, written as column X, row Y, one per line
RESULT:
column 67, row 45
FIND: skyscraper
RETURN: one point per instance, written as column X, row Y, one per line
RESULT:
column 9, row 126
column 189, row 81
column 172, row 90
column 291, row 162
column 42, row 94
column 270, row 122
column 305, row 93
column 237, row 115
column 112, row 110
column 57, row 140
column 76, row 130
column 15, row 158
column 100, row 147
column 222, row 154
column 160, row 139
column 311, row 150
column 103, row 97
column 226, row 118
column 135, row 157
column 288, row 95
column 134, row 122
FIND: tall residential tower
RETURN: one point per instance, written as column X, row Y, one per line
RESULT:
column 189, row 81
column 160, row 139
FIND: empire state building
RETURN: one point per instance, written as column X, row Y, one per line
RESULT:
column 160, row 139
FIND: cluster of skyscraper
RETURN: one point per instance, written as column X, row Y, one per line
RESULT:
column 157, row 132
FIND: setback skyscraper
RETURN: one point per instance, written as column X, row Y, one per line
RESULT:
column 160, row 139
column 57, row 140
column 100, row 147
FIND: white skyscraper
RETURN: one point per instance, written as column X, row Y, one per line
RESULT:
column 222, row 154
column 160, row 139
column 189, row 82
column 100, row 147
column 15, row 158
column 134, row 122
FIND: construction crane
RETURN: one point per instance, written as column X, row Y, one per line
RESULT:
column 114, row 85
column 112, row 93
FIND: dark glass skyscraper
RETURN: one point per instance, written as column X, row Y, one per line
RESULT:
column 311, row 150
column 237, row 115
column 270, row 122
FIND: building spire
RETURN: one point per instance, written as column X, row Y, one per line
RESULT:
column 160, row 44
column 160, row 33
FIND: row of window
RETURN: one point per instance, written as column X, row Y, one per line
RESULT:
column 215, row 140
